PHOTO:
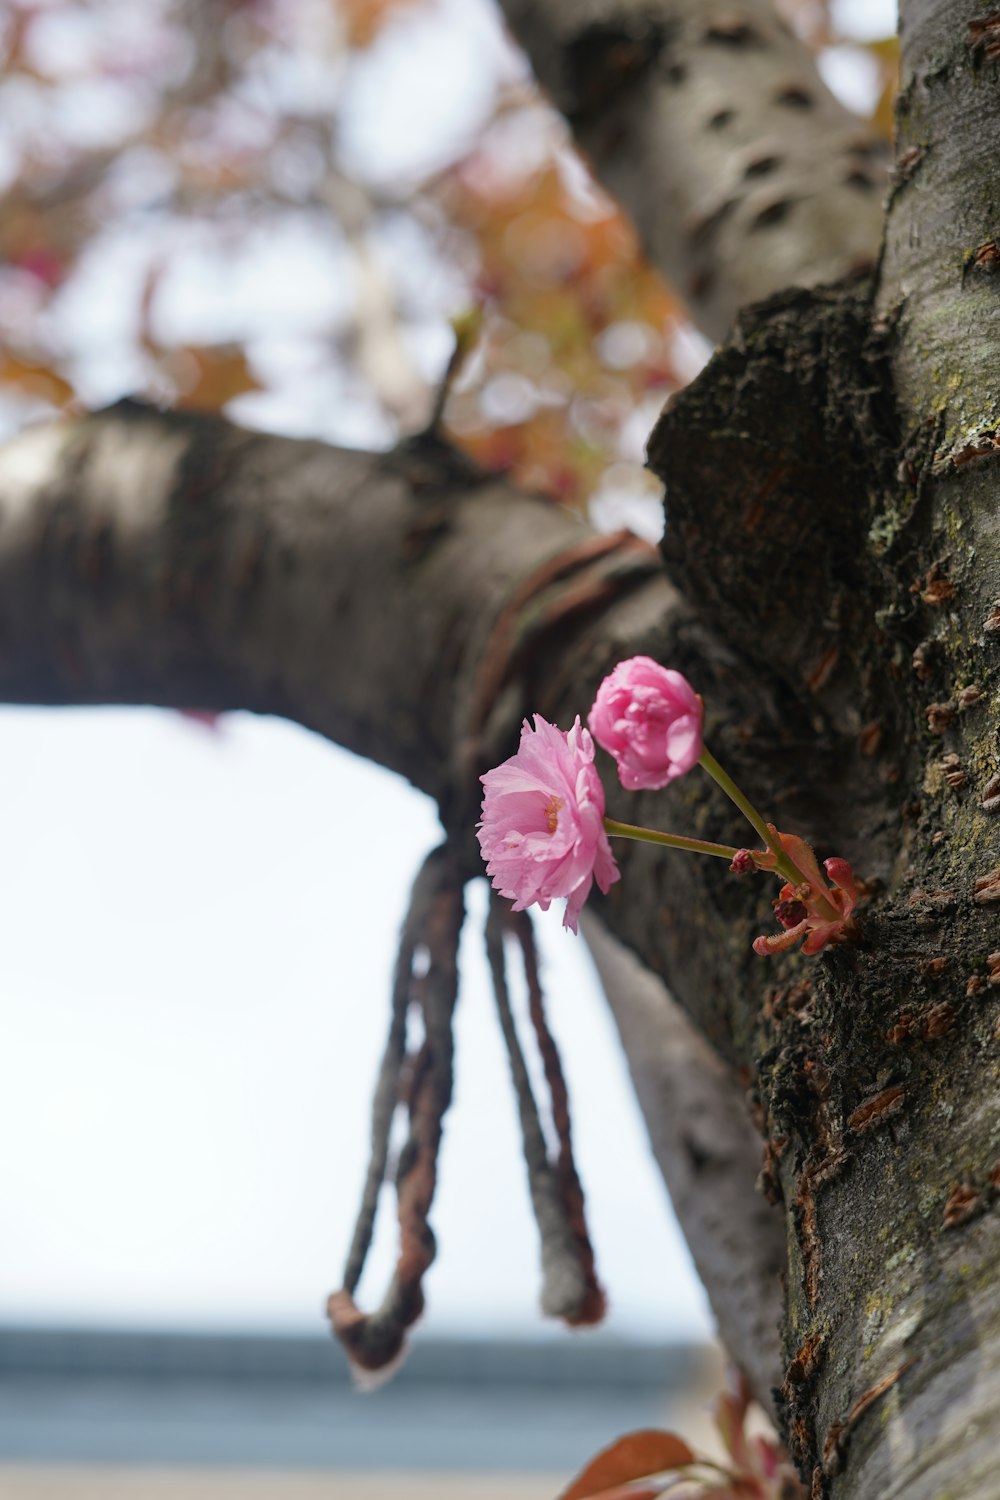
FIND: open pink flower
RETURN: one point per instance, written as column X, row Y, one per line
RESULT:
column 542, row 832
column 649, row 718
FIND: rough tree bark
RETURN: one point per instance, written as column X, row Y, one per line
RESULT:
column 831, row 580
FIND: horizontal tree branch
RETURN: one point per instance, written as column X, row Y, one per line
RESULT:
column 165, row 558
column 406, row 606
column 159, row 557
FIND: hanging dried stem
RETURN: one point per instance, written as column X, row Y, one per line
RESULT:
column 570, row 1289
column 566, row 1176
column 422, row 1082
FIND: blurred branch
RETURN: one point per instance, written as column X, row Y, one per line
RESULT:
column 710, row 124
column 709, row 1154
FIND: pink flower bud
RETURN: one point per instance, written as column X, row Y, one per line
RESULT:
column 542, row 831
column 649, row 718
column 743, row 863
column 790, row 913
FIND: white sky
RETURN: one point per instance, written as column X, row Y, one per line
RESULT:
column 198, row 936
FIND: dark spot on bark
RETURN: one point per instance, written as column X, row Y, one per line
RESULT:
column 697, row 1155
column 794, row 97
column 721, row 118
column 763, row 166
column 701, row 229
column 605, row 59
column 96, row 553
column 868, row 148
column 732, row 31
column 675, row 73
column 774, row 213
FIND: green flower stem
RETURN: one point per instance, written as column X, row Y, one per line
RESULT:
column 783, row 863
column 671, row 840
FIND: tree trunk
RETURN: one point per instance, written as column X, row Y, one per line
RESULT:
column 830, row 582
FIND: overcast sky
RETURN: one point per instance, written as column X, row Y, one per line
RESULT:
column 198, row 937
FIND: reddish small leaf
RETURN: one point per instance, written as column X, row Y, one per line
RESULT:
column 635, row 1456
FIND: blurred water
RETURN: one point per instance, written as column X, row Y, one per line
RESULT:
column 95, row 1398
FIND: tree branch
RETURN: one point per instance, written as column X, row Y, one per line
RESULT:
column 709, row 1155
column 167, row 558
column 174, row 559
column 709, row 123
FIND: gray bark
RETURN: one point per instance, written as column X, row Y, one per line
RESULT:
column 853, row 547
column 931, row 1289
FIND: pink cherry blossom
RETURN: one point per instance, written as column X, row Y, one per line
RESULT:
column 649, row 718
column 542, row 832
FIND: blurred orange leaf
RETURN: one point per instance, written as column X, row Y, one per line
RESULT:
column 35, row 379
column 364, row 19
column 207, row 377
column 635, row 1456
column 558, row 266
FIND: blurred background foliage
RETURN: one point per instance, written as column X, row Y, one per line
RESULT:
column 251, row 205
